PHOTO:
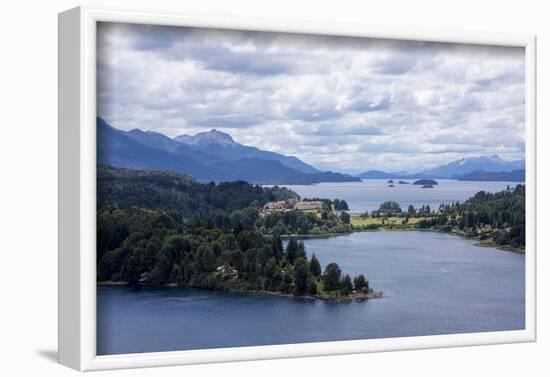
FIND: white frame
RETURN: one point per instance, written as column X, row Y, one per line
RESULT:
column 77, row 191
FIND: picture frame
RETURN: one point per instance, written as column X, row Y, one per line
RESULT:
column 77, row 190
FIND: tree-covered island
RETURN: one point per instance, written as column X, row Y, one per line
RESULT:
column 425, row 182
column 165, row 228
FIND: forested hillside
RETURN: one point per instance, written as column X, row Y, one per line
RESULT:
column 179, row 195
column 499, row 217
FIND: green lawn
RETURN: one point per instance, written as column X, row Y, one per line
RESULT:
column 362, row 221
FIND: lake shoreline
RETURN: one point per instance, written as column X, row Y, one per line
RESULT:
column 478, row 242
column 352, row 297
column 493, row 245
column 356, row 296
column 431, row 283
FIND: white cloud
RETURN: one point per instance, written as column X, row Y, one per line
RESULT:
column 344, row 104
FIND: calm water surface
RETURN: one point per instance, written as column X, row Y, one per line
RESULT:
column 433, row 283
column 369, row 194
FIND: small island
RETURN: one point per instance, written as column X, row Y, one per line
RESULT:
column 403, row 183
column 390, row 181
column 391, row 185
column 425, row 182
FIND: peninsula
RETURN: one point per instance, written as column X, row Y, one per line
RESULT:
column 151, row 232
column 492, row 219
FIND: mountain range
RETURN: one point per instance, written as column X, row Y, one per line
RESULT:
column 506, row 176
column 216, row 156
column 222, row 145
column 469, row 164
column 207, row 156
column 462, row 169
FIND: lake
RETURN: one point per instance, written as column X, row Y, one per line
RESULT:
column 369, row 194
column 434, row 283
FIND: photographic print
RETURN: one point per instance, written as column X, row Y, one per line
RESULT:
column 261, row 188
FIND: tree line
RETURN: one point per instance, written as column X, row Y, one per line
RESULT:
column 497, row 217
column 222, row 205
column 305, row 223
column 143, row 246
column 179, row 195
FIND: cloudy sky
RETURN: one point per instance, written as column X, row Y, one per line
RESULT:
column 344, row 104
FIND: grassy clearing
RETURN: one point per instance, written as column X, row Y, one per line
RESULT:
column 358, row 221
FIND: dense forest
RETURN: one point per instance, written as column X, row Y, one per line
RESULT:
column 498, row 217
column 492, row 218
column 330, row 219
column 304, row 223
column 222, row 205
column 151, row 228
column 180, row 196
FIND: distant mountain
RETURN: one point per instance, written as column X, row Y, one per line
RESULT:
column 159, row 141
column 204, row 158
column 271, row 172
column 116, row 148
column 466, row 165
column 518, row 164
column 222, row 145
column 481, row 175
column 153, row 139
column 377, row 174
column 204, row 138
column 453, row 169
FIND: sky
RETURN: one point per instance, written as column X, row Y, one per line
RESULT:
column 338, row 103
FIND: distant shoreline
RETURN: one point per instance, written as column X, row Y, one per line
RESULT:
column 477, row 242
column 313, row 236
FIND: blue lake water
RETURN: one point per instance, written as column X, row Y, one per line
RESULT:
column 434, row 283
column 369, row 194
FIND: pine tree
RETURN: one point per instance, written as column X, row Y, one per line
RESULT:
column 277, row 247
column 359, row 282
column 315, row 266
column 347, row 285
column 331, row 277
column 301, row 250
column 291, row 251
column 312, row 288
column 301, row 276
